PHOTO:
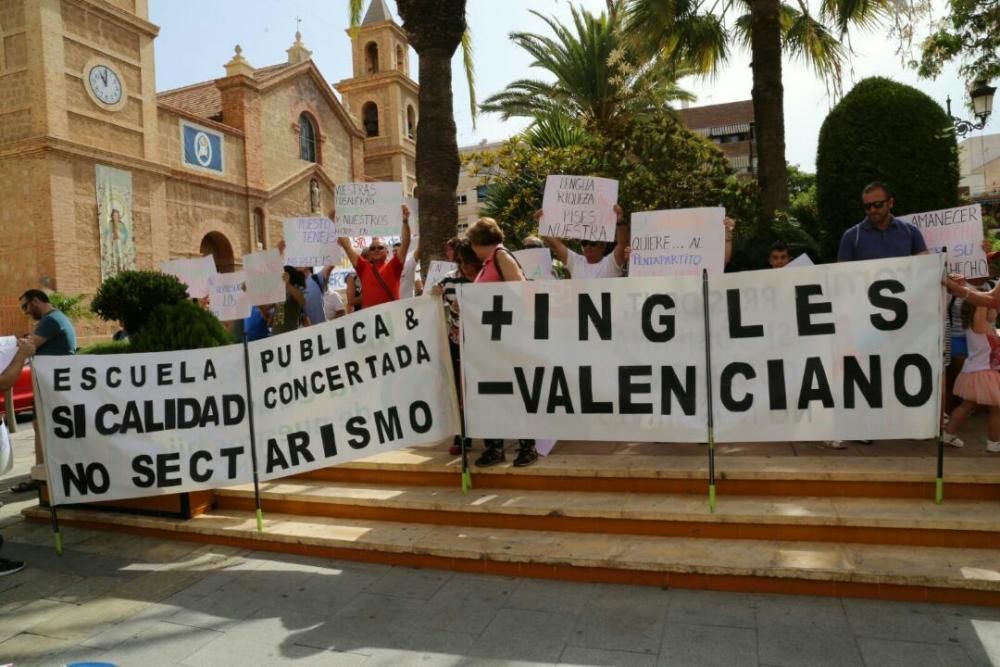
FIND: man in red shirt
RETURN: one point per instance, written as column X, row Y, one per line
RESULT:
column 379, row 274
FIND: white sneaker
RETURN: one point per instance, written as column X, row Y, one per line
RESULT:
column 952, row 440
column 993, row 446
column 836, row 444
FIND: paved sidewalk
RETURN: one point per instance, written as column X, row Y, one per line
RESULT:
column 137, row 601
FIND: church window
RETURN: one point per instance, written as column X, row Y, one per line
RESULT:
column 371, row 58
column 258, row 227
column 307, row 138
column 369, row 116
column 401, row 59
column 411, row 122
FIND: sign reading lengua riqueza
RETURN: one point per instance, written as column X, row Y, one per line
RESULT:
column 135, row 425
column 680, row 241
column 960, row 230
column 369, row 209
column 831, row 352
column 585, row 359
column 579, row 207
column 353, row 387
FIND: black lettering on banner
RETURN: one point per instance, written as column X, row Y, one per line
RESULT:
column 230, row 454
column 356, row 427
column 114, row 379
column 815, row 385
column 210, row 373
column 62, row 417
column 734, row 306
column 99, row 424
column 600, row 320
column 403, row 356
column 673, row 388
column 329, row 438
column 166, row 465
column 776, row 392
column 358, row 333
column 90, row 478
column 533, row 396
column 541, row 317
column 381, row 329
column 137, row 374
column 426, row 421
column 60, row 379
column 497, row 317
column 163, row 374
column 666, row 320
column 88, row 378
column 923, row 393
column 729, row 374
column 870, row 385
column 305, row 349
column 411, row 320
column 559, row 392
column 423, row 356
column 266, row 357
column 275, row 457
column 298, row 445
column 588, row 405
column 142, row 465
column 805, row 309
column 894, row 305
column 200, row 476
column 627, row 387
column 388, row 425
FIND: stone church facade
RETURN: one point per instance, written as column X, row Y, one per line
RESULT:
column 93, row 161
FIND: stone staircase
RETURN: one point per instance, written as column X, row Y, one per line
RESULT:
column 862, row 526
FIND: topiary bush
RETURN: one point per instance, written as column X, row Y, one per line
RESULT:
column 883, row 131
column 182, row 325
column 107, row 347
column 131, row 296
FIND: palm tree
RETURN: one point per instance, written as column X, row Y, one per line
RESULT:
column 435, row 29
column 695, row 30
column 599, row 79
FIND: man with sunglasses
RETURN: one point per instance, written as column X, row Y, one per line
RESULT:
column 379, row 274
column 880, row 235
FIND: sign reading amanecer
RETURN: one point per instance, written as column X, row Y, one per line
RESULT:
column 960, row 230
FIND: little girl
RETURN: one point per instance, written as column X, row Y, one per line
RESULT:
column 977, row 383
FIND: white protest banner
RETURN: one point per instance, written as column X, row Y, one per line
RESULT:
column 136, row 425
column 193, row 272
column 369, row 209
column 436, row 272
column 372, row 382
column 227, row 297
column 585, row 359
column 831, row 352
column 579, row 207
column 536, row 263
column 677, row 242
column 960, row 230
column 310, row 242
column 8, row 349
column 802, row 260
column 263, row 271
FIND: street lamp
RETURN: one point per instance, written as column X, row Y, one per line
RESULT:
column 982, row 107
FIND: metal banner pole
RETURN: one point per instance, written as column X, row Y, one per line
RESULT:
column 708, row 392
column 253, row 436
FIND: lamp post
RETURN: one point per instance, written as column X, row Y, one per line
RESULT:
column 982, row 107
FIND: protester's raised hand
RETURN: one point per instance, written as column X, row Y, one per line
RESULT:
column 538, row 215
column 281, row 246
column 619, row 213
column 437, row 290
column 406, row 212
column 332, row 214
column 25, row 346
column 729, row 224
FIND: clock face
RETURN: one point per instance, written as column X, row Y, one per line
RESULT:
column 105, row 84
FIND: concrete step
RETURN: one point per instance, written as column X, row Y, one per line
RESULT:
column 966, row 576
column 955, row 523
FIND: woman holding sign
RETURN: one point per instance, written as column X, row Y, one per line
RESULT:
column 499, row 265
column 593, row 263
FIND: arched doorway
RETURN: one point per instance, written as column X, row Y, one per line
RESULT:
column 221, row 250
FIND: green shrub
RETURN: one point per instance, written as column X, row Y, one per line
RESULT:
column 107, row 347
column 883, row 131
column 73, row 306
column 182, row 325
column 130, row 297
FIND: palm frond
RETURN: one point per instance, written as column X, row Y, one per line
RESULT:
column 470, row 73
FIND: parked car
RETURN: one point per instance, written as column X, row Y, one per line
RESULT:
column 24, row 394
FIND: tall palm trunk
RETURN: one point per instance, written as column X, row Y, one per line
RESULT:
column 435, row 29
column 768, row 104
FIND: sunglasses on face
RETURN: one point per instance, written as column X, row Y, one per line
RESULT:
column 877, row 205
column 377, row 247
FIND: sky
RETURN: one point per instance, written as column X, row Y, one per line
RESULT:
column 197, row 38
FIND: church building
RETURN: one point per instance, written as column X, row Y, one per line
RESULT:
column 100, row 173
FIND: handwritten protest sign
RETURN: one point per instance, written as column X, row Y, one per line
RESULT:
column 960, row 230
column 369, row 209
column 193, row 272
column 536, row 263
column 227, row 297
column 414, row 205
column 263, row 277
column 579, row 207
column 802, row 260
column 677, row 242
column 8, row 348
column 436, row 272
column 310, row 242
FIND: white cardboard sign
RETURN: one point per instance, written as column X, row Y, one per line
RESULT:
column 677, row 242
column 310, row 242
column 960, row 230
column 369, row 209
column 536, row 263
column 263, row 277
column 227, row 296
column 193, row 272
column 579, row 207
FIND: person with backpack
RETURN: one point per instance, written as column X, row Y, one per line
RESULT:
column 379, row 274
column 499, row 265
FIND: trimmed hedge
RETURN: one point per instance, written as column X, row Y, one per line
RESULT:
column 183, row 325
column 130, row 297
column 883, row 131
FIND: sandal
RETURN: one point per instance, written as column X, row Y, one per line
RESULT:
column 26, row 486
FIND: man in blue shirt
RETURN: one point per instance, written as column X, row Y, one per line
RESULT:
column 880, row 234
